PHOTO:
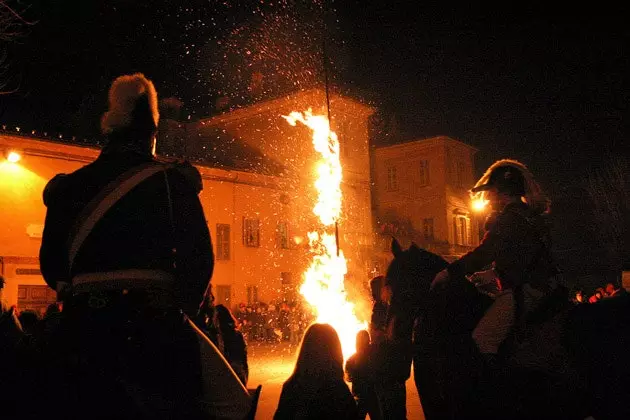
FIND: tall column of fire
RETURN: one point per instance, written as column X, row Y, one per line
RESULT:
column 323, row 286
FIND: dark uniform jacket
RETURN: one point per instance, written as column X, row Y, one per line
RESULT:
column 517, row 242
column 137, row 232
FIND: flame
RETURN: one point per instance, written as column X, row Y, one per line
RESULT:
column 323, row 286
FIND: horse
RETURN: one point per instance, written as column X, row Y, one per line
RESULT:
column 549, row 374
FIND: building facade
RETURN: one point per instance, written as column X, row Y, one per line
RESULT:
column 420, row 195
column 258, row 203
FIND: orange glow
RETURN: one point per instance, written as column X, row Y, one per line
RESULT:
column 14, row 157
column 479, row 204
column 323, row 286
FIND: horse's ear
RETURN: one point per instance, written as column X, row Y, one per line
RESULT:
column 396, row 248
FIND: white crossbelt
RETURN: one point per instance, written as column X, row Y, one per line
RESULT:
column 123, row 279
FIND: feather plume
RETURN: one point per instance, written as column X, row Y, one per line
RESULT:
column 123, row 95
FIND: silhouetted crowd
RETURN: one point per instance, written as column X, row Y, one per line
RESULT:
column 274, row 322
column 600, row 293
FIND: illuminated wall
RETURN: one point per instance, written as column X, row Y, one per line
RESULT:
column 427, row 180
column 262, row 127
column 23, row 212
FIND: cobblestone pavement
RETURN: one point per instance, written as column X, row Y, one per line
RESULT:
column 270, row 365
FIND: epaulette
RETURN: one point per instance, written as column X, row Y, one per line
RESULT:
column 190, row 173
column 53, row 188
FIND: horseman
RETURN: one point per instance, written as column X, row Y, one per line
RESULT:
column 127, row 248
column 516, row 246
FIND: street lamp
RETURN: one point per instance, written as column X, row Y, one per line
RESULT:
column 13, row 156
column 479, row 205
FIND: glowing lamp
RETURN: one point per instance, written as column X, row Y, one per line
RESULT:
column 14, row 157
column 479, row 204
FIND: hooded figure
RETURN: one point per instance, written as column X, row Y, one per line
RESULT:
column 516, row 246
column 126, row 245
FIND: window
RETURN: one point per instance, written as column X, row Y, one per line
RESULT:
column 469, row 240
column 252, row 294
column 28, row 272
column 282, row 232
column 223, row 241
column 342, row 135
column 288, row 288
column 392, row 181
column 460, row 175
column 427, row 228
column 223, row 295
column 251, row 232
column 462, row 230
column 286, row 278
column 424, row 173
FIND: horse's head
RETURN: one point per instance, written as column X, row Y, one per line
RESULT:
column 410, row 273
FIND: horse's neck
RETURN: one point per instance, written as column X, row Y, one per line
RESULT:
column 458, row 308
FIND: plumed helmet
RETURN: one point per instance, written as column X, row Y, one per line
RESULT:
column 512, row 177
column 132, row 101
column 506, row 179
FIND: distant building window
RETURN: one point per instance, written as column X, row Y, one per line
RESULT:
column 427, row 228
column 424, row 173
column 251, row 232
column 282, row 232
column 392, row 180
column 462, row 230
column 252, row 294
column 469, row 240
column 223, row 295
column 460, row 175
column 286, row 278
column 343, row 135
column 223, row 241
column 28, row 272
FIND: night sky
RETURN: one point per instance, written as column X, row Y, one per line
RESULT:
column 548, row 87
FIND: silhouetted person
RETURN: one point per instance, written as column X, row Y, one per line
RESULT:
column 127, row 247
column 28, row 320
column 2, row 284
column 378, row 319
column 234, row 346
column 392, row 360
column 612, row 290
column 360, row 371
column 316, row 389
column 597, row 296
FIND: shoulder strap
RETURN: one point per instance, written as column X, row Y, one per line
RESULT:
column 105, row 200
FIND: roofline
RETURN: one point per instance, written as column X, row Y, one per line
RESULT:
column 426, row 140
column 279, row 102
column 36, row 146
column 49, row 147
